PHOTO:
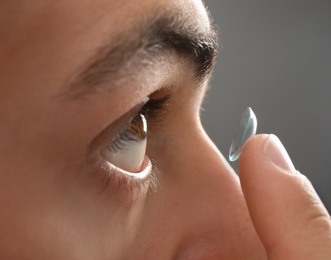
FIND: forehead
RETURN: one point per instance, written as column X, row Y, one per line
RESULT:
column 58, row 35
column 89, row 13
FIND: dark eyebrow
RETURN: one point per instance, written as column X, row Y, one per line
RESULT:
column 146, row 43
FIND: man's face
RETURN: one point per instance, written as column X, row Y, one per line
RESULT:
column 73, row 75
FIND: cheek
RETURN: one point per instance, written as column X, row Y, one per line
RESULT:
column 51, row 204
column 63, row 217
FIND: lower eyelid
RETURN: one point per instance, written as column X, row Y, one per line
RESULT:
column 121, row 184
column 143, row 174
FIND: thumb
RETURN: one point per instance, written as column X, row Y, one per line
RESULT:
column 287, row 214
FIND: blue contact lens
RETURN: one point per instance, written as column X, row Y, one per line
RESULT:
column 245, row 129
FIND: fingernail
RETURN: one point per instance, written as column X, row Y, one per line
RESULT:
column 277, row 153
column 245, row 129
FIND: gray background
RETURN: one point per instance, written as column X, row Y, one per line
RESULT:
column 276, row 58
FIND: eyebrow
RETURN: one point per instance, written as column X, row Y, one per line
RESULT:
column 144, row 44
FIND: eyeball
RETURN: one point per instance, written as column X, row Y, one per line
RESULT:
column 126, row 152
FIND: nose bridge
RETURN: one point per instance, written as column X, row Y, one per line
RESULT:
column 208, row 179
column 209, row 203
column 198, row 210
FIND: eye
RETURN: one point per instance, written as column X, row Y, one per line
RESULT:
column 125, row 155
column 126, row 152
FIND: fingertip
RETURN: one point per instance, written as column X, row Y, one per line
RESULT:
column 253, row 145
column 269, row 148
column 253, row 149
column 281, row 202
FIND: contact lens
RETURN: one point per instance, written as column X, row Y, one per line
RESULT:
column 245, row 129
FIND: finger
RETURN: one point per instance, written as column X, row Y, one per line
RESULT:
column 288, row 215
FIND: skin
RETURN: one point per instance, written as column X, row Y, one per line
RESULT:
column 54, row 204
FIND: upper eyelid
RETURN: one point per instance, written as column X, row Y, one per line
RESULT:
column 155, row 109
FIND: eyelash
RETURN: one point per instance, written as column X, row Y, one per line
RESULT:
column 153, row 111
